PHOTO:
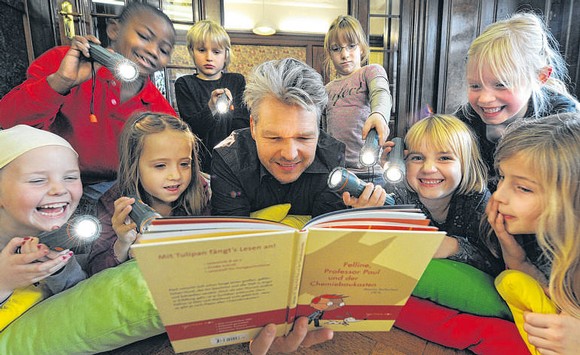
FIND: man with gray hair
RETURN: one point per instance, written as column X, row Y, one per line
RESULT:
column 283, row 157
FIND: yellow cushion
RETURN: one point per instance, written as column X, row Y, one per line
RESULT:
column 274, row 213
column 523, row 293
column 279, row 213
column 20, row 301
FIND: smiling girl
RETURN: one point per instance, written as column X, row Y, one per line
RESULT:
column 40, row 189
column 514, row 70
column 446, row 179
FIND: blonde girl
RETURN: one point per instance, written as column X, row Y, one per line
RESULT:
column 159, row 165
column 359, row 98
column 446, row 179
column 514, row 70
column 539, row 194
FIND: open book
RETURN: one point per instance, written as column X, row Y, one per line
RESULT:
column 218, row 280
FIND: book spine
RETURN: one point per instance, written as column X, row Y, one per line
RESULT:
column 296, row 276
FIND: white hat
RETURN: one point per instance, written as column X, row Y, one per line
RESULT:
column 20, row 139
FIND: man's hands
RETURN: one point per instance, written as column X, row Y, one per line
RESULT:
column 267, row 342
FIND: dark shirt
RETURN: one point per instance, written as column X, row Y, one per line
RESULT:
column 462, row 223
column 557, row 104
column 193, row 94
column 240, row 184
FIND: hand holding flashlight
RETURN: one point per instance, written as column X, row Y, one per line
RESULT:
column 222, row 104
column 395, row 168
column 341, row 180
column 123, row 69
column 369, row 153
column 76, row 234
column 142, row 214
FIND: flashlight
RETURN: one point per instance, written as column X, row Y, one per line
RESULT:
column 222, row 103
column 142, row 214
column 395, row 167
column 78, row 233
column 121, row 67
column 341, row 180
column 369, row 153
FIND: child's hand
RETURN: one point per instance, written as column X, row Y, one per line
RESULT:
column 553, row 333
column 372, row 196
column 24, row 261
column 376, row 121
column 513, row 253
column 212, row 103
column 299, row 337
column 73, row 69
column 387, row 147
column 124, row 227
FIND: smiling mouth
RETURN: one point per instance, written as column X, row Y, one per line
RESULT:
column 491, row 110
column 53, row 209
column 145, row 62
column 431, row 181
column 172, row 187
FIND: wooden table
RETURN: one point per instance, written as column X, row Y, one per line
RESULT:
column 396, row 342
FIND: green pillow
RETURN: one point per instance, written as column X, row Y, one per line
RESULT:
column 111, row 309
column 460, row 286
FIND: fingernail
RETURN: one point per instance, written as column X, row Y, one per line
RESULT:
column 27, row 238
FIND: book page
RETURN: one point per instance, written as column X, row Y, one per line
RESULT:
column 219, row 290
column 359, row 280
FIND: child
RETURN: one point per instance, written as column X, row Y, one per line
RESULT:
column 40, row 188
column 61, row 92
column 197, row 94
column 446, row 179
column 359, row 99
column 539, row 194
column 514, row 70
column 159, row 165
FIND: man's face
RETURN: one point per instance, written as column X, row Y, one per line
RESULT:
column 286, row 138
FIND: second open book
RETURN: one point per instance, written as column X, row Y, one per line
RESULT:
column 218, row 280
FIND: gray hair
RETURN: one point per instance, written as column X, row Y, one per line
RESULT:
column 289, row 81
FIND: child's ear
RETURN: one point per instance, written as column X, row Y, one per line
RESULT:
column 544, row 75
column 113, row 29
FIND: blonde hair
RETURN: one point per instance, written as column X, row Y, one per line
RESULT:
column 208, row 30
column 516, row 51
column 347, row 28
column 550, row 147
column 444, row 132
column 131, row 142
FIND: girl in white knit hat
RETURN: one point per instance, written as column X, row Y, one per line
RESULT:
column 40, row 188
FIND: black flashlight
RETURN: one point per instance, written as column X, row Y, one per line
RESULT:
column 395, row 167
column 222, row 103
column 121, row 67
column 341, row 180
column 77, row 234
column 369, row 153
column 142, row 214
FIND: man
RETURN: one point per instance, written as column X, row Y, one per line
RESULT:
column 283, row 157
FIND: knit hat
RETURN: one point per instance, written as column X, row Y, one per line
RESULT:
column 20, row 139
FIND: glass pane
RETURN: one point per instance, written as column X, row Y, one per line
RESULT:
column 385, row 7
column 377, row 26
column 312, row 16
column 178, row 10
column 109, row 7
